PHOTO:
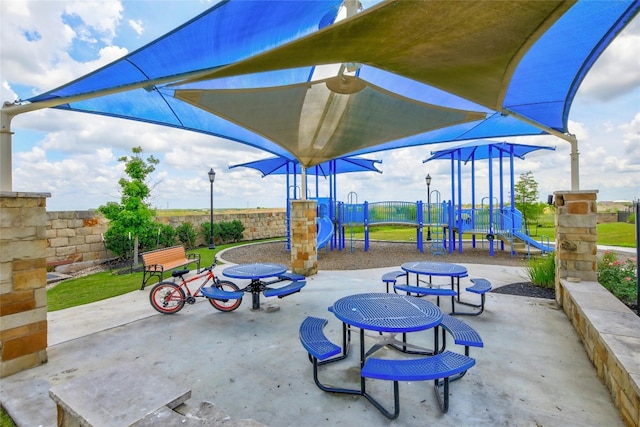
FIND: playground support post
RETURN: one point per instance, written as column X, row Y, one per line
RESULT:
column 428, row 180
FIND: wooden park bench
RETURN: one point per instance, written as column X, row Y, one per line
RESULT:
column 157, row 262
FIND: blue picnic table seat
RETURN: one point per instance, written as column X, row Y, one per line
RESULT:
column 283, row 291
column 320, row 349
column 392, row 277
column 481, row 287
column 441, row 366
column 426, row 290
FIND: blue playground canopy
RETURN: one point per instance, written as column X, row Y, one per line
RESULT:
column 297, row 80
column 282, row 166
column 503, row 221
column 330, row 169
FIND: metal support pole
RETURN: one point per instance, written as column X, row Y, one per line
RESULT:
column 428, row 180
column 212, row 177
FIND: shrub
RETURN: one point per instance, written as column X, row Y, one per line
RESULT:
column 118, row 242
column 205, row 230
column 542, row 271
column 223, row 231
column 632, row 219
column 619, row 277
column 226, row 231
column 166, row 235
column 186, row 234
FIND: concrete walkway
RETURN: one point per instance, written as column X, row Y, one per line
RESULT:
column 533, row 370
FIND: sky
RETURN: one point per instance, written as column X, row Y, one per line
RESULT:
column 74, row 156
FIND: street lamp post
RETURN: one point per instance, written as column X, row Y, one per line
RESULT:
column 212, row 177
column 428, row 180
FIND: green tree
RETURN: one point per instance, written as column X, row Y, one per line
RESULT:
column 133, row 216
column 526, row 198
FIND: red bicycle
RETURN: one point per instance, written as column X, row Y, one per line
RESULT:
column 169, row 297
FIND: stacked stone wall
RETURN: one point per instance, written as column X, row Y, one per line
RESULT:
column 76, row 236
column 607, row 217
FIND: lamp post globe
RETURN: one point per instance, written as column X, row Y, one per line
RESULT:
column 212, row 177
column 428, row 181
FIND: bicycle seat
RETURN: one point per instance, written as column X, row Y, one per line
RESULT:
column 178, row 273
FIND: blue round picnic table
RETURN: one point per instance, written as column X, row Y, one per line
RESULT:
column 384, row 312
column 387, row 313
column 435, row 268
column 255, row 272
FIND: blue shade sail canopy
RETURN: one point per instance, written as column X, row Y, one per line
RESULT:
column 515, row 57
column 493, row 69
column 283, row 166
column 481, row 150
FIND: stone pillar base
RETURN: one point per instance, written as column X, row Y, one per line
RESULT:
column 576, row 237
column 23, row 281
column 304, row 252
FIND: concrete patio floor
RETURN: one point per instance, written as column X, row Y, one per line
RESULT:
column 533, row 370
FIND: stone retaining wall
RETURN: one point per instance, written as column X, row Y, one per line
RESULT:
column 610, row 333
column 76, row 236
column 605, row 217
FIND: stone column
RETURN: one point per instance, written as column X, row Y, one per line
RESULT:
column 304, row 256
column 23, row 281
column 576, row 237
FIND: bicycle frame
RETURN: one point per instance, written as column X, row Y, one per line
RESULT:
column 185, row 282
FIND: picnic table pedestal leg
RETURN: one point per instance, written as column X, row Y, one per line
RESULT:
column 255, row 288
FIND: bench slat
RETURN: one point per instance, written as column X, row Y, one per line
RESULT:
column 442, row 365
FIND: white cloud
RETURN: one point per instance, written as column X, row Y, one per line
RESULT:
column 615, row 73
column 137, row 26
column 101, row 16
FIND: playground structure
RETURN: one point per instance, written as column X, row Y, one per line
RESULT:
column 446, row 221
column 448, row 224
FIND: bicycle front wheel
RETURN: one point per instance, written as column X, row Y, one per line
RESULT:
column 167, row 297
column 226, row 304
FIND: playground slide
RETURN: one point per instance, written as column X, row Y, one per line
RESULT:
column 530, row 241
column 325, row 231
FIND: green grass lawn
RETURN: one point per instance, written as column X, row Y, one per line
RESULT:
column 610, row 234
column 5, row 420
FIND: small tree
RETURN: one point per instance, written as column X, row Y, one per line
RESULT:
column 133, row 215
column 526, row 198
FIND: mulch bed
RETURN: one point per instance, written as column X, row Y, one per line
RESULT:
column 526, row 289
